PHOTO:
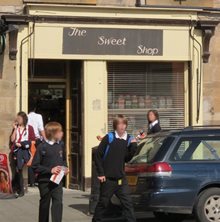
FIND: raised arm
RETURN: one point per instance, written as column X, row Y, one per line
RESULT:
column 36, row 164
column 132, row 149
column 99, row 156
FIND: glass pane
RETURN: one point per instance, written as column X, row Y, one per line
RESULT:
column 147, row 149
column 45, row 68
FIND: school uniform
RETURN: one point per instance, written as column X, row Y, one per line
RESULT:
column 36, row 121
column 48, row 156
column 22, row 154
column 111, row 165
column 154, row 127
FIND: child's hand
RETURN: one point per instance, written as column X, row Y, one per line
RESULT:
column 102, row 179
column 56, row 170
column 18, row 144
column 67, row 171
column 99, row 138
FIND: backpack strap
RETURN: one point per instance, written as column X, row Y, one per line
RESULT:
column 111, row 137
column 130, row 138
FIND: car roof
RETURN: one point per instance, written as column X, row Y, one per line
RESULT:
column 191, row 131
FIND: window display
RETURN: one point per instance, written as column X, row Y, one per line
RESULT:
column 136, row 87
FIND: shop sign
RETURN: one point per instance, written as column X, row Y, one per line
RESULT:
column 112, row 41
column 5, row 179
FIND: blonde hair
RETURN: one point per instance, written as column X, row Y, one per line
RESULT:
column 51, row 129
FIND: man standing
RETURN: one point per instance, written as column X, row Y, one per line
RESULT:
column 115, row 149
column 36, row 121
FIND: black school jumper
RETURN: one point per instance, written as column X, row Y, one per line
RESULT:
column 47, row 157
column 112, row 167
column 155, row 129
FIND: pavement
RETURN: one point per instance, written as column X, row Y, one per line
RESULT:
column 76, row 205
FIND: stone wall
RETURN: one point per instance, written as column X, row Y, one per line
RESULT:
column 194, row 3
column 7, row 99
column 116, row 2
column 211, row 110
column 7, row 82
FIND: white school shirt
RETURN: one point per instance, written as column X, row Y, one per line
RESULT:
column 124, row 136
column 36, row 121
column 22, row 135
column 153, row 124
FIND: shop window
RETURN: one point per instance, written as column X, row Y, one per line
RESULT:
column 136, row 87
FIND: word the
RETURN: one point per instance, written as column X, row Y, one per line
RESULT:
column 77, row 32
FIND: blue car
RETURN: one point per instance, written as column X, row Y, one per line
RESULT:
column 177, row 173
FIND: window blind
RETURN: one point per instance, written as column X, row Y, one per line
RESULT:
column 134, row 88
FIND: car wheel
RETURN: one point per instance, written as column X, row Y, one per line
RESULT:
column 169, row 217
column 207, row 208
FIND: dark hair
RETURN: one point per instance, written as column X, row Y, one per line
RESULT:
column 24, row 116
column 155, row 112
column 32, row 105
column 119, row 118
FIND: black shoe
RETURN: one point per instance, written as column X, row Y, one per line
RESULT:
column 21, row 194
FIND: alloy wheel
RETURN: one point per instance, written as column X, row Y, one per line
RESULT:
column 212, row 208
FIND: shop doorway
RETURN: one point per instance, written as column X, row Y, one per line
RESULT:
column 50, row 101
column 55, row 85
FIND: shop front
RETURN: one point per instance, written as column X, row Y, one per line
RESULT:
column 87, row 64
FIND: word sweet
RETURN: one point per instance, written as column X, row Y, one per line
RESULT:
column 102, row 40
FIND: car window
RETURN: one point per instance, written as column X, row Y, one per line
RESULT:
column 192, row 149
column 147, row 149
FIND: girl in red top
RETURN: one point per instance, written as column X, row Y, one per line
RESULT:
column 22, row 136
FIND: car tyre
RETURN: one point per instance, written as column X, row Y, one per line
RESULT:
column 207, row 208
column 169, row 217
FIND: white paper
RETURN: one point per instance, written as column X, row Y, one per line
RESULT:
column 58, row 178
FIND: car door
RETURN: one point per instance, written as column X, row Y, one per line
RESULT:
column 195, row 163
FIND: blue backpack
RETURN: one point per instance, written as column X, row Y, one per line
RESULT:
column 111, row 137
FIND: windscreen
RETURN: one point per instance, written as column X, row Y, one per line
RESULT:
column 147, row 149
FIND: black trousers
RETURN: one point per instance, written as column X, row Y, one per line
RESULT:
column 50, row 192
column 18, row 182
column 31, row 176
column 107, row 190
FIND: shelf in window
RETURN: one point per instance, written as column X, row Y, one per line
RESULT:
column 141, row 111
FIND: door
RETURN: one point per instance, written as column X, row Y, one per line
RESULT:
column 76, row 144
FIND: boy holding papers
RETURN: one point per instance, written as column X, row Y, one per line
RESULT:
column 50, row 165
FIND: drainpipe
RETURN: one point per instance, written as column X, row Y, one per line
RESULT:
column 21, row 61
column 198, row 74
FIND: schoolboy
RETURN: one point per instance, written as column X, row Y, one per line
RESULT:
column 115, row 149
column 49, row 159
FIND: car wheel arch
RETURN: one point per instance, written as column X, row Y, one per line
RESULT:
column 207, row 186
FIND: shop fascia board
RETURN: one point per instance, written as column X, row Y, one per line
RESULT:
column 109, row 12
column 25, row 19
column 191, row 21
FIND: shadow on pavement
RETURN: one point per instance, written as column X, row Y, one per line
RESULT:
column 84, row 208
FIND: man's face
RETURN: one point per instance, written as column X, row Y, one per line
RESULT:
column 121, row 127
